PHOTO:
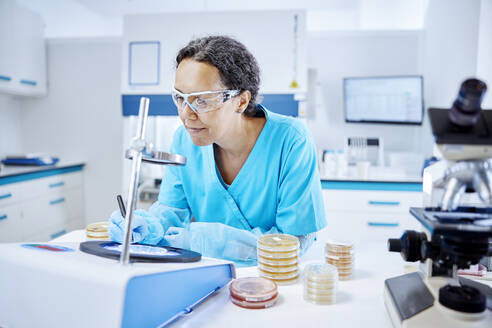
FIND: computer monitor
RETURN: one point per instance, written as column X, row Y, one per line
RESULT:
column 384, row 99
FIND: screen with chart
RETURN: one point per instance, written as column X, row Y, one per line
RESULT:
column 390, row 99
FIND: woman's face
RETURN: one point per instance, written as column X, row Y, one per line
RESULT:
column 209, row 127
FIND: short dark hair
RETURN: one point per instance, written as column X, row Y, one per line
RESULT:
column 237, row 67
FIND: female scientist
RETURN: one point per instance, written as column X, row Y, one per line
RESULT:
column 248, row 172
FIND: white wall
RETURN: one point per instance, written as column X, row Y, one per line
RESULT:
column 484, row 60
column 344, row 54
column 10, row 125
column 445, row 53
column 81, row 119
column 271, row 39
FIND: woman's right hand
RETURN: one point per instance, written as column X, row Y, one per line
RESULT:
column 146, row 229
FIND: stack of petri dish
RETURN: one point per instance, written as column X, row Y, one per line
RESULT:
column 341, row 255
column 97, row 231
column 278, row 258
column 253, row 292
column 320, row 283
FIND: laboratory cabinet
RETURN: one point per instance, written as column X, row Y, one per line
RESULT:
column 370, row 212
column 40, row 206
column 23, row 51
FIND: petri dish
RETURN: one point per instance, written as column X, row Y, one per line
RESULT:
column 254, row 305
column 278, row 262
column 97, row 230
column 278, row 242
column 278, row 276
column 278, row 255
column 283, row 282
column 321, row 300
column 321, row 285
column 278, row 269
column 320, row 292
column 321, row 272
column 253, row 289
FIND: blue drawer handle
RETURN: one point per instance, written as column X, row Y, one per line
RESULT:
column 5, row 78
column 28, row 82
column 377, row 202
column 58, row 234
column 58, row 184
column 57, row 201
column 3, row 217
column 5, row 196
column 383, row 224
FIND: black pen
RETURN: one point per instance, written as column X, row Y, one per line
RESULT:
column 121, row 205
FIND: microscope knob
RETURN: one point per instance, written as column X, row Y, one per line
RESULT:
column 462, row 298
column 394, row 245
column 408, row 245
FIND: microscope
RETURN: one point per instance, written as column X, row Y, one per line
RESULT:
column 456, row 221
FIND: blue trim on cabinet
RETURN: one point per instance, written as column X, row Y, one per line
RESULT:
column 5, row 196
column 132, row 43
column 369, row 185
column 58, row 234
column 163, row 105
column 383, row 224
column 384, row 203
column 5, row 78
column 39, row 174
column 57, row 201
column 29, row 82
column 58, row 184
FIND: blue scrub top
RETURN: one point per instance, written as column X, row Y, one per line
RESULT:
column 278, row 185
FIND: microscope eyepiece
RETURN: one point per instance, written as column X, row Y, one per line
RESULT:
column 466, row 108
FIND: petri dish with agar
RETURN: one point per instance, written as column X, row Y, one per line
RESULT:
column 279, row 276
column 321, row 272
column 320, row 299
column 255, row 305
column 253, row 292
column 341, row 255
column 278, row 243
column 278, row 255
column 253, row 289
column 320, row 283
column 97, row 230
column 277, row 262
column 278, row 269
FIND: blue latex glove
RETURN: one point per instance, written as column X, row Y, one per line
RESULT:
column 177, row 237
column 170, row 216
column 222, row 241
column 146, row 229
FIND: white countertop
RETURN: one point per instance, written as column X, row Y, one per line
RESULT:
column 359, row 301
column 10, row 170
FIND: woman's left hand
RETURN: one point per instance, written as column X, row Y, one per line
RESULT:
column 178, row 237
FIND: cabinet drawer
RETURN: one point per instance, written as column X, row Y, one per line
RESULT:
column 10, row 224
column 27, row 190
column 15, row 192
column 371, row 201
column 53, row 210
column 367, row 227
column 62, row 181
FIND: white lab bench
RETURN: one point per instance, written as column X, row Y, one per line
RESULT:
column 359, row 301
column 40, row 203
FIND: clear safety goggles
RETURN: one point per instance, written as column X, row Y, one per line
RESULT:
column 204, row 101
